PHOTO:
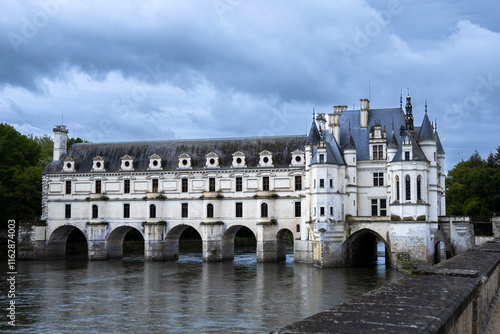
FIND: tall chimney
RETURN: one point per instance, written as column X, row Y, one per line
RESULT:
column 363, row 113
column 60, row 141
column 335, row 121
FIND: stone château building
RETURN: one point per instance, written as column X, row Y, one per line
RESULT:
column 358, row 176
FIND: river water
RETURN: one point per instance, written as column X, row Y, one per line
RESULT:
column 188, row 296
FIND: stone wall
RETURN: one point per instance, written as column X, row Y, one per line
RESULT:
column 455, row 296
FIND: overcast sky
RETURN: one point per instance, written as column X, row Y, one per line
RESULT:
column 150, row 70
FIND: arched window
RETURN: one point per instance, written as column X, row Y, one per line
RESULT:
column 263, row 210
column 210, row 211
column 397, row 188
column 419, row 188
column 152, row 211
column 95, row 211
column 407, row 188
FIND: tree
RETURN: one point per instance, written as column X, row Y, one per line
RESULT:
column 22, row 161
column 17, row 152
column 473, row 186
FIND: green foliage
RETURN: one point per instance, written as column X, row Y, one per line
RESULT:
column 22, row 160
column 473, row 186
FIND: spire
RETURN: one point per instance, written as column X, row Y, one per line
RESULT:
column 349, row 144
column 426, row 106
column 426, row 131
column 314, row 136
column 401, row 100
column 409, row 115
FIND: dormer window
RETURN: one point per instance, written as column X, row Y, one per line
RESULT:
column 298, row 158
column 378, row 152
column 98, row 164
column 239, row 159
column 127, row 163
column 184, row 161
column 212, row 160
column 154, row 162
column 321, row 158
column 266, row 159
column 69, row 164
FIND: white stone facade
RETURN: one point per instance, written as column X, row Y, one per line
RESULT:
column 348, row 171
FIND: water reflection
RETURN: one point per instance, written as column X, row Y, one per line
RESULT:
column 131, row 295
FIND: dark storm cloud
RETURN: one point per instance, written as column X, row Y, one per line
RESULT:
column 126, row 70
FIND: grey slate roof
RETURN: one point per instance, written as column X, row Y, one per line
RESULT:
column 361, row 135
column 426, row 132
column 393, row 142
column 349, row 143
column 333, row 153
column 169, row 151
column 418, row 155
column 313, row 137
column 440, row 149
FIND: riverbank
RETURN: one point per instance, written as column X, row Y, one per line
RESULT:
column 456, row 294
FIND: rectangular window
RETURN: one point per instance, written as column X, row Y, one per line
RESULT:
column 68, row 187
column 378, row 152
column 407, row 188
column 331, row 211
column 239, row 184
column 126, row 210
column 298, row 182
column 184, row 185
column 126, row 186
column 211, row 184
column 298, row 209
column 314, row 186
column 378, row 179
column 374, row 207
column 331, row 183
column 321, row 158
column 184, row 209
column 397, row 189
column 298, row 228
column 97, row 186
column 265, row 183
column 321, row 183
column 419, row 188
column 155, row 185
column 322, row 211
column 383, row 207
column 407, row 155
column 67, row 211
column 210, row 211
column 239, row 209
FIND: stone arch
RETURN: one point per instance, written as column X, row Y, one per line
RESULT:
column 114, row 243
column 171, row 247
column 361, row 247
column 281, row 244
column 56, row 244
column 228, row 241
column 439, row 251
